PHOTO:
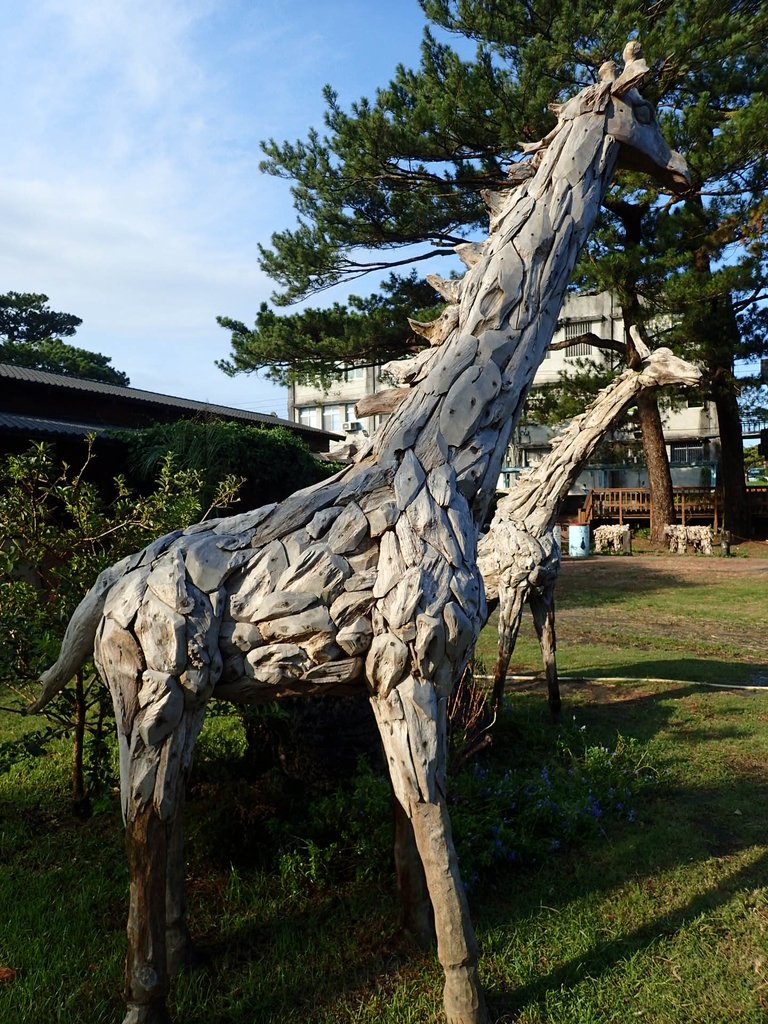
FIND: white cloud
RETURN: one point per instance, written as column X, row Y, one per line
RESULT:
column 129, row 182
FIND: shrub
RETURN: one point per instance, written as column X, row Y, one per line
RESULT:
column 517, row 815
column 506, row 812
column 58, row 532
column 271, row 462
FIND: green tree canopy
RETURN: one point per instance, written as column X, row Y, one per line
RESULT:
column 316, row 344
column 404, row 171
column 31, row 335
column 406, row 168
column 397, row 179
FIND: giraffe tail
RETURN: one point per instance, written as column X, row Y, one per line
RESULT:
column 77, row 645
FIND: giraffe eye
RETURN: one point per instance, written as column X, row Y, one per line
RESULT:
column 644, row 114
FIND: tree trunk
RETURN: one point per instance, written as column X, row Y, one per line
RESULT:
column 81, row 805
column 736, row 515
column 718, row 325
column 661, row 494
column 657, row 464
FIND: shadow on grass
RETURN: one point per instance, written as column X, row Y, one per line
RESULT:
column 354, row 949
column 605, row 706
column 628, row 707
column 352, row 942
column 605, row 956
column 301, row 963
column 299, row 966
column 682, row 825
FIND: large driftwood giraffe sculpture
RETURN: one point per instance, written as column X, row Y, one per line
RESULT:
column 369, row 577
column 518, row 556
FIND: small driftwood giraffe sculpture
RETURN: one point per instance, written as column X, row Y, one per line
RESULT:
column 518, row 557
column 368, row 578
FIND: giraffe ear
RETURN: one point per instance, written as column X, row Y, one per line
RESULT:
column 640, row 347
column 632, row 74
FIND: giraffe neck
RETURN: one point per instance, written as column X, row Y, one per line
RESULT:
column 534, row 501
column 470, row 391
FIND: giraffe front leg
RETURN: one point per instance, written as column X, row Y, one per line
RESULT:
column 411, row 721
column 456, row 945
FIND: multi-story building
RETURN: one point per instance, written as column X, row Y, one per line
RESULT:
column 690, row 425
column 334, row 410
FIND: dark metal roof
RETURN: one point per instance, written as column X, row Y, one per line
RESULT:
column 39, row 425
column 64, row 383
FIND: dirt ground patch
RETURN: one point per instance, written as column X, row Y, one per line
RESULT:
column 667, row 616
column 696, row 568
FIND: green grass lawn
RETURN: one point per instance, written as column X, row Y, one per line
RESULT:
column 699, row 620
column 655, row 909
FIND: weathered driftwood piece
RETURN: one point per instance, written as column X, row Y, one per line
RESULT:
column 410, row 506
column 614, row 538
column 382, row 403
column 518, row 557
column 698, row 537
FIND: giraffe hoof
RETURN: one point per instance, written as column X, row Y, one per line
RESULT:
column 141, row 1013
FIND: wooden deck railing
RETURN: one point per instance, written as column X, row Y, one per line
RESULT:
column 620, row 504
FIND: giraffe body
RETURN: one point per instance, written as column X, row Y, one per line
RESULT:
column 369, row 578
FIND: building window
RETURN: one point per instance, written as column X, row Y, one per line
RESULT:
column 686, row 453
column 575, row 329
column 581, row 349
column 332, row 418
column 354, row 373
column 695, row 402
column 306, row 415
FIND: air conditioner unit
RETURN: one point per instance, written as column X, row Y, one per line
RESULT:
column 352, row 426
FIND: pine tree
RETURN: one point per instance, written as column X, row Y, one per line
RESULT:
column 398, row 178
column 31, row 335
column 315, row 345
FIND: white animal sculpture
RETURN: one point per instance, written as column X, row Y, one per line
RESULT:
column 369, row 578
column 518, row 556
column 698, row 537
column 612, row 537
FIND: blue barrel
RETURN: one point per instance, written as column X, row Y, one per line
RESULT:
column 578, row 541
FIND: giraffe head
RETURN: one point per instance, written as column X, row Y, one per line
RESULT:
column 662, row 367
column 631, row 121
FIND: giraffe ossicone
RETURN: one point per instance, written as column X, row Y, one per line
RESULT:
column 369, row 578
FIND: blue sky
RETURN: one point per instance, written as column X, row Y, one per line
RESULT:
column 129, row 185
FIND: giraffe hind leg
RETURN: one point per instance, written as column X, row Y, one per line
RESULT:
column 511, row 601
column 158, row 940
column 181, row 953
column 146, row 977
column 543, row 611
column 418, row 919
